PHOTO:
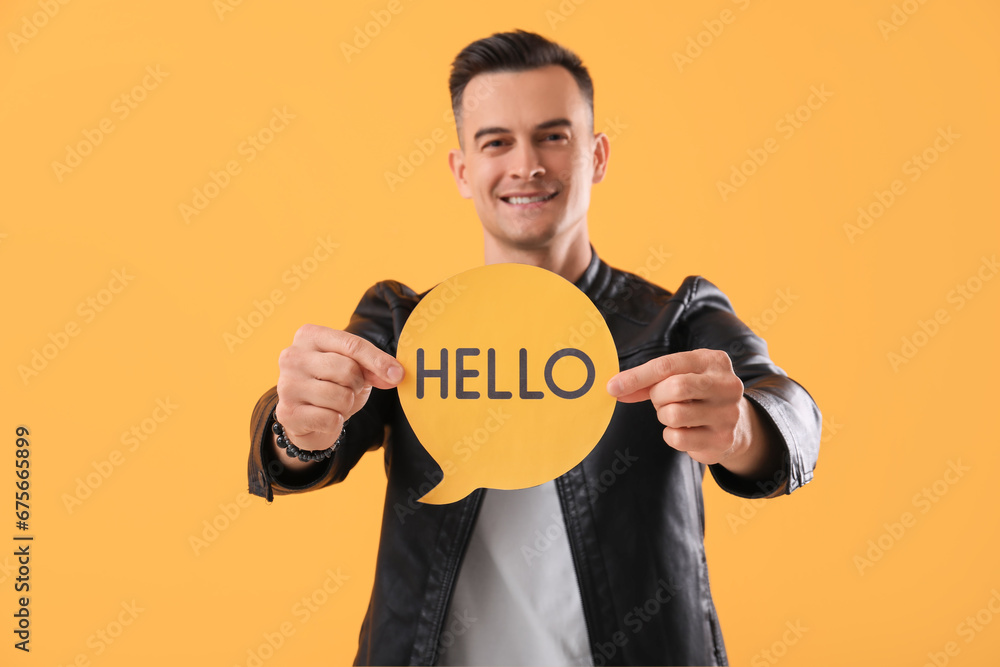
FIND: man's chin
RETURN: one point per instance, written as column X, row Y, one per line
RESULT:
column 529, row 222
column 526, row 232
column 528, row 239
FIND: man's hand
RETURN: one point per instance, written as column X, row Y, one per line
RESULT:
column 325, row 376
column 699, row 400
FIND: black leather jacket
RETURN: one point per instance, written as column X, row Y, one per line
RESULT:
column 633, row 507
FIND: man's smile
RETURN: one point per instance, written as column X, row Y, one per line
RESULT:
column 528, row 200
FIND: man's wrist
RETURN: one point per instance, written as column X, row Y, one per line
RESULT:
column 292, row 463
column 291, row 450
column 756, row 452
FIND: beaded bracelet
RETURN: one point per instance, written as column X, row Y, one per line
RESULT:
column 304, row 454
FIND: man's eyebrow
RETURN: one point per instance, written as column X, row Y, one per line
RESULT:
column 555, row 122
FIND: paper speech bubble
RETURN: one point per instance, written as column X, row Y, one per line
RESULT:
column 506, row 367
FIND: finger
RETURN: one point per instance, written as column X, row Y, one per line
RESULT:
column 683, row 387
column 301, row 418
column 336, row 368
column 325, row 394
column 380, row 369
column 634, row 397
column 314, row 427
column 629, row 383
column 298, row 365
column 688, row 439
column 685, row 415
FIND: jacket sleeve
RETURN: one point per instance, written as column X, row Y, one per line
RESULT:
column 786, row 408
column 377, row 318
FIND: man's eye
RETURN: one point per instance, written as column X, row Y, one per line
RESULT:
column 488, row 144
column 556, row 136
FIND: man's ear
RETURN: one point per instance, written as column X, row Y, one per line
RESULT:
column 602, row 149
column 456, row 160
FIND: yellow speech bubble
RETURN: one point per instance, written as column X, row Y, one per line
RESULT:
column 506, row 367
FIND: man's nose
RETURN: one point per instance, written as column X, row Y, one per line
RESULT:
column 526, row 163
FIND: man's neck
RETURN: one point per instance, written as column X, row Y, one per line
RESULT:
column 569, row 259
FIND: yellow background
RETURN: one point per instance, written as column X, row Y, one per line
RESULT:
column 890, row 433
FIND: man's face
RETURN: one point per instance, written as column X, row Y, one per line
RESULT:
column 529, row 156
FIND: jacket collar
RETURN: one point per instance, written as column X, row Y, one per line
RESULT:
column 592, row 281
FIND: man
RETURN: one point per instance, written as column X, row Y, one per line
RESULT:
column 623, row 578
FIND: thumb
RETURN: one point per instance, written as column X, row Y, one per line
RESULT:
column 390, row 373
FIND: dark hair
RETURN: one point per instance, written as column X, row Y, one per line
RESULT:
column 516, row 51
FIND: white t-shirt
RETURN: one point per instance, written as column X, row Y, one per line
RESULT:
column 517, row 599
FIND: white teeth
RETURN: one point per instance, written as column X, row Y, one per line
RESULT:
column 529, row 200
